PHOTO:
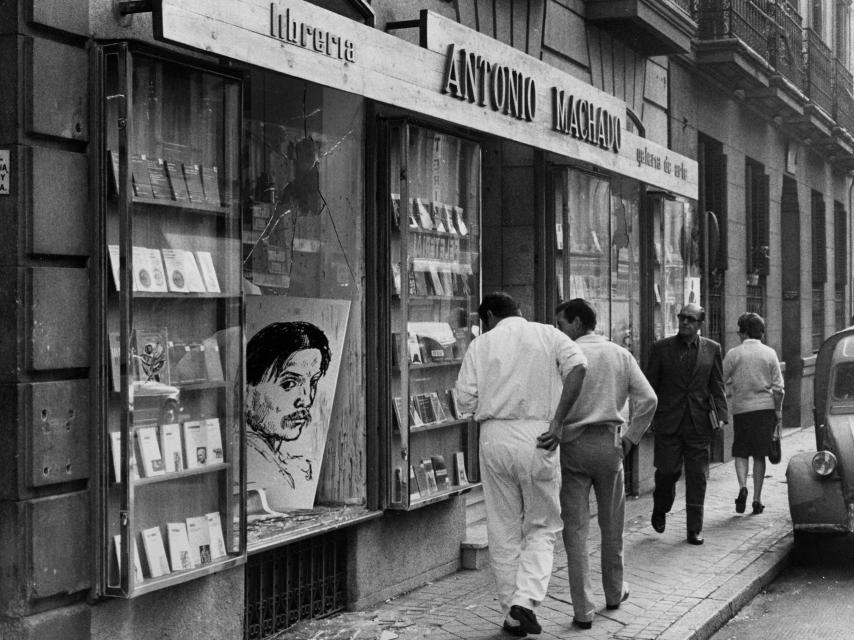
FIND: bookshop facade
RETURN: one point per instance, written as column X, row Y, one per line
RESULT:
column 296, row 217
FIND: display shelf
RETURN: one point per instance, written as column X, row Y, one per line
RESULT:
column 437, row 425
column 166, row 295
column 186, row 473
column 197, row 207
column 439, row 496
column 149, row 585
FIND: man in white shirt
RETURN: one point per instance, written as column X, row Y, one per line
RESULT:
column 592, row 449
column 519, row 379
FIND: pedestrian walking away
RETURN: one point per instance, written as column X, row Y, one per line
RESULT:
column 754, row 388
column 685, row 371
column 520, row 379
column 593, row 445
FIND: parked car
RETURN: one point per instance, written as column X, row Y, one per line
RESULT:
column 821, row 483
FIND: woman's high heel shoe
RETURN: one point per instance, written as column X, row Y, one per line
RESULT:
column 741, row 500
column 758, row 508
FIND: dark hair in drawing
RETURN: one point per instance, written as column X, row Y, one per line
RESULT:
column 274, row 344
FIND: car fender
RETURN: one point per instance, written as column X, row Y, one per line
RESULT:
column 814, row 501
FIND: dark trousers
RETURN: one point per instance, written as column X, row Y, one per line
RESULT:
column 672, row 451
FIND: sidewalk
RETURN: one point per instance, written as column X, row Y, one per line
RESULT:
column 678, row 591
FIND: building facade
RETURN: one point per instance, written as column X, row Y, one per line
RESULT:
column 245, row 242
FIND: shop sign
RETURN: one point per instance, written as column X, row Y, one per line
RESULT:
column 456, row 75
column 5, row 177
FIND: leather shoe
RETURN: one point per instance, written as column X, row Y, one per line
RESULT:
column 514, row 630
column 623, row 598
column 527, row 619
column 659, row 520
column 741, row 500
column 582, row 624
column 694, row 537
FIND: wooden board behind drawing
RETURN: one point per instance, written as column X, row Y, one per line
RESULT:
column 331, row 317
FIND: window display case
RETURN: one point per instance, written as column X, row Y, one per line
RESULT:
column 434, row 285
column 172, row 477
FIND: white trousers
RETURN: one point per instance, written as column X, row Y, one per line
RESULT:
column 521, row 487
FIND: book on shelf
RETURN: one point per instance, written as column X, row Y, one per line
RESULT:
column 135, row 560
column 427, row 465
column 414, row 348
column 176, row 275
column 142, row 277
column 149, row 452
column 431, row 350
column 187, row 363
column 215, row 530
column 395, row 278
column 199, row 534
column 210, row 182
column 193, row 180
column 395, row 210
column 425, row 408
column 437, row 408
column 155, row 265
column 437, row 216
column 421, row 480
column 399, row 412
column 213, row 441
column 213, row 362
column 413, row 484
column 460, row 468
column 113, row 251
column 155, row 553
column 448, row 218
column 151, row 355
column 422, row 214
column 448, row 284
column 114, row 341
column 458, row 413
column 195, row 444
column 160, row 187
column 414, row 417
column 459, row 220
column 420, row 278
column 176, row 180
column 559, row 236
column 434, row 282
column 208, row 271
column 179, row 546
column 170, row 447
column 116, row 449
column 140, row 180
column 444, row 405
column 441, row 471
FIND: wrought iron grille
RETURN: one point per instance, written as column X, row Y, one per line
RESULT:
column 300, row 581
column 817, row 316
column 843, row 96
column 740, row 19
column 819, row 65
column 756, row 298
column 786, row 42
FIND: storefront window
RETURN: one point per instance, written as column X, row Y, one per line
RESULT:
column 303, row 282
column 625, row 264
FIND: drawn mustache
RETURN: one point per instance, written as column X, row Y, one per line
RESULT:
column 295, row 420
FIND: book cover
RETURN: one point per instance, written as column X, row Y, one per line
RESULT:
column 445, row 405
column 213, row 361
column 395, row 278
column 437, row 216
column 441, row 471
column 413, row 484
column 421, row 288
column 195, row 444
column 434, row 283
column 155, row 266
column 151, row 355
column 206, row 266
column 455, row 407
column 195, row 283
column 179, row 546
column 176, row 181
column 413, row 215
column 149, row 452
column 193, row 180
column 170, row 447
column 421, row 480
column 422, row 213
column 160, row 186
column 425, row 408
column 460, row 468
column 414, row 348
column 139, row 176
column 448, row 216
column 135, row 561
column 210, row 182
column 115, row 359
column 427, row 465
column 414, row 416
column 116, row 447
column 155, row 553
column 213, row 441
column 199, row 534
column 399, row 413
column 459, row 220
column 142, row 278
column 448, row 285
column 113, row 250
column 438, row 409
column 215, row 530
column 187, row 363
column 395, row 210
column 176, row 278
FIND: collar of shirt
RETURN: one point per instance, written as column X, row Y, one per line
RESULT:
column 591, row 337
column 509, row 320
column 753, row 340
column 695, row 341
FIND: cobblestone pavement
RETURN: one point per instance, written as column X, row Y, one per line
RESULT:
column 678, row 591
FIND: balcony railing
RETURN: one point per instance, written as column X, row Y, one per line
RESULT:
column 786, row 42
column 741, row 19
column 843, row 96
column 818, row 85
column 687, row 6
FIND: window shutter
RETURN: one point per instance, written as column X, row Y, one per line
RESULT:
column 819, row 246
column 840, row 241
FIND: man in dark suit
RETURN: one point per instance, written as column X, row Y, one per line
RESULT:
column 686, row 372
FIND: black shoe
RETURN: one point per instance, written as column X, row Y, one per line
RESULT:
column 758, row 508
column 527, row 619
column 741, row 500
column 514, row 631
column 582, row 624
column 659, row 520
column 624, row 597
column 694, row 537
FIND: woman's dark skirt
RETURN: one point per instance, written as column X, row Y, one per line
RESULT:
column 752, row 433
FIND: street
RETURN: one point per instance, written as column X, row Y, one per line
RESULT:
column 812, row 598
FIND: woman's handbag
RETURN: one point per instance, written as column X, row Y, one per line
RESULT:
column 776, row 453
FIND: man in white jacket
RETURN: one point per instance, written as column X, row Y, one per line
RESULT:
column 593, row 445
column 520, row 379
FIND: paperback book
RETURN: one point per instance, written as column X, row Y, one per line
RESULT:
column 215, row 529
column 170, row 447
column 179, row 546
column 149, row 452
column 199, row 535
column 155, row 553
column 213, row 441
column 195, row 444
